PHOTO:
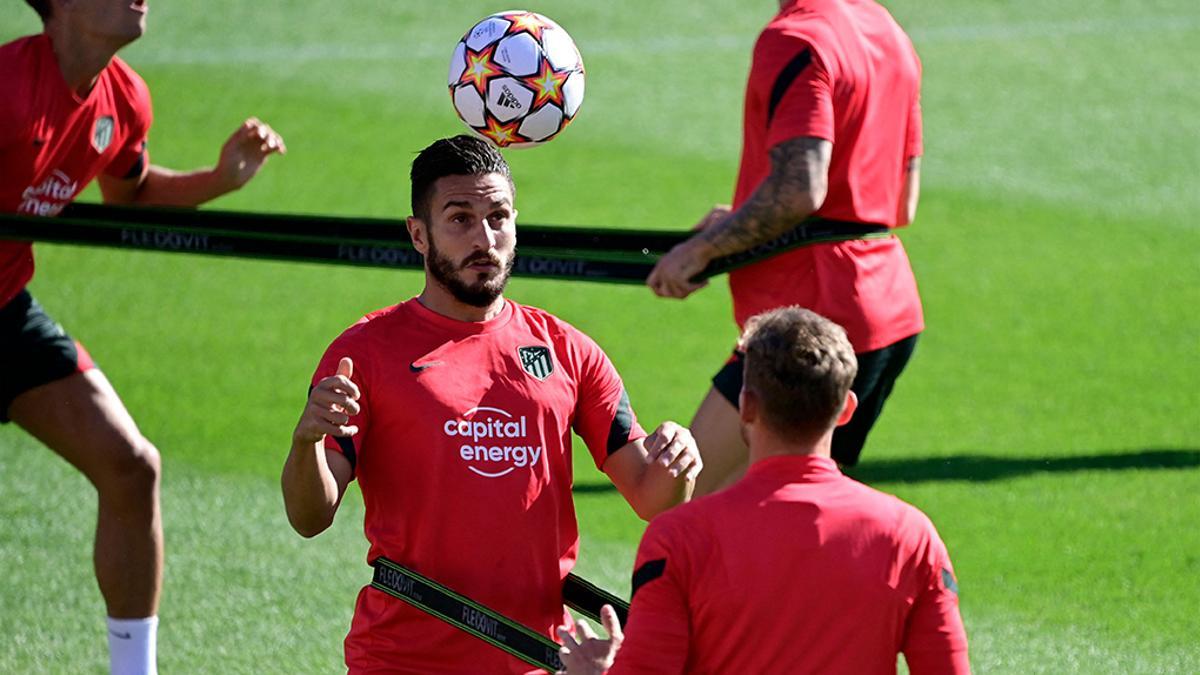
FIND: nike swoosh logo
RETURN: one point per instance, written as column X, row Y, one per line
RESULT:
column 123, row 636
column 418, row 368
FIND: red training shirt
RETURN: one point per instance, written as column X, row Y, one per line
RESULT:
column 794, row 569
column 843, row 71
column 53, row 143
column 464, row 459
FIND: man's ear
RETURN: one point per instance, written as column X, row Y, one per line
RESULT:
column 848, row 408
column 748, row 406
column 418, row 231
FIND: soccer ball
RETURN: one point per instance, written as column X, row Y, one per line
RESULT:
column 516, row 79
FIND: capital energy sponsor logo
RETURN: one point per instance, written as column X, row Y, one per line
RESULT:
column 493, row 442
column 50, row 197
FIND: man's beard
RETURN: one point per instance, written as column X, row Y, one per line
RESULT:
column 478, row 294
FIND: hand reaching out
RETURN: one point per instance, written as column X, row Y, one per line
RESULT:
column 672, row 275
column 591, row 655
column 245, row 152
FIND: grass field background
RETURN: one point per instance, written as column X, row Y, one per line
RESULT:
column 1048, row 422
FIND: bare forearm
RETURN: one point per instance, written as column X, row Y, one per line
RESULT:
column 310, row 489
column 658, row 491
column 165, row 187
column 657, row 472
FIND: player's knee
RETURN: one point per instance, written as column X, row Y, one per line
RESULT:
column 133, row 467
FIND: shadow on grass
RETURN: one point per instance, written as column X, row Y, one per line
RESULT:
column 983, row 468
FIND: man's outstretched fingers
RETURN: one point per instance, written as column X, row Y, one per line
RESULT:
column 612, row 624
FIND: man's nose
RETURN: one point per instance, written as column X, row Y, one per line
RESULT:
column 485, row 236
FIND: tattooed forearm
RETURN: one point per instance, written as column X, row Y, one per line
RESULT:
column 792, row 192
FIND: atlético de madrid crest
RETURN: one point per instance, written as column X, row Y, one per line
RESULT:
column 536, row 361
column 102, row 133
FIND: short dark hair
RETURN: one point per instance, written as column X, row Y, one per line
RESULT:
column 461, row 155
column 800, row 365
column 42, row 7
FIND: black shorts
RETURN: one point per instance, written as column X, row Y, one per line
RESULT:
column 34, row 350
column 877, row 373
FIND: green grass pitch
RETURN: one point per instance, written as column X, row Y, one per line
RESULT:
column 1048, row 423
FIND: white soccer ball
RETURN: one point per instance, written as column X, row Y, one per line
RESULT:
column 516, row 79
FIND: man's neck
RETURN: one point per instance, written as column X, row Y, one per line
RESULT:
column 764, row 444
column 438, row 299
column 79, row 59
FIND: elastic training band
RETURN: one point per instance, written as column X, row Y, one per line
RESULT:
column 467, row 615
column 583, row 254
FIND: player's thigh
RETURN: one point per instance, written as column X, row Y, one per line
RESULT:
column 34, row 350
column 717, row 430
column 878, row 371
column 81, row 418
column 50, row 387
column 876, row 377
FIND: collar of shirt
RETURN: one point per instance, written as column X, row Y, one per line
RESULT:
column 456, row 327
column 797, row 468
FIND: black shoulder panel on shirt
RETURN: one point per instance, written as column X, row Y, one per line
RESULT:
column 786, row 77
column 622, row 424
column 136, row 170
column 347, row 446
column 649, row 571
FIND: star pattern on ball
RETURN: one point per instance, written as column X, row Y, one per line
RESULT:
column 527, row 22
column 549, row 83
column 480, row 69
column 501, row 134
column 509, row 90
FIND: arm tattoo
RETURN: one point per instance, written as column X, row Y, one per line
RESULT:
column 792, row 192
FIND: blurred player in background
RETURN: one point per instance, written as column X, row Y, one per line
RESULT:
column 832, row 129
column 71, row 111
column 796, row 568
column 454, row 411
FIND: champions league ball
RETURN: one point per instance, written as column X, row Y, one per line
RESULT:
column 516, row 79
